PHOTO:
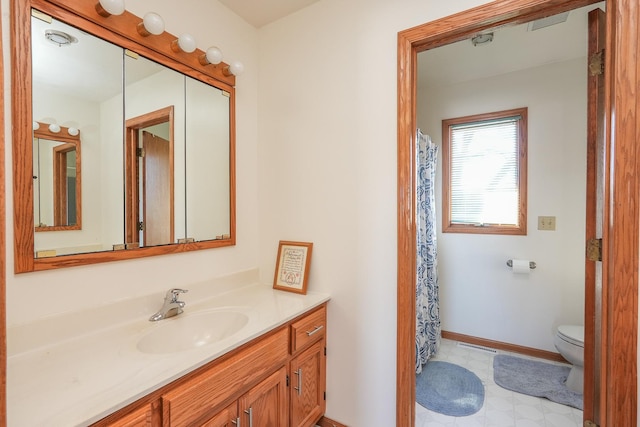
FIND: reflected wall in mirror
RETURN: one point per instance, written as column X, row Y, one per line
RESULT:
column 99, row 75
column 208, row 176
column 57, row 195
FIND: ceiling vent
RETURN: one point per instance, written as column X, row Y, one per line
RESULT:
column 59, row 38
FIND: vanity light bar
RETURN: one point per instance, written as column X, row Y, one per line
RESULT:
column 55, row 131
column 164, row 43
column 182, row 48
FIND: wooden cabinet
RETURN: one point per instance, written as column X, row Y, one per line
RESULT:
column 307, row 386
column 307, row 368
column 277, row 380
column 265, row 405
column 198, row 398
column 147, row 415
column 228, row 417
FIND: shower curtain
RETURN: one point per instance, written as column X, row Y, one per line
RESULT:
column 427, row 300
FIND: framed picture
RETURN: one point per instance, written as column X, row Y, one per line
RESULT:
column 292, row 266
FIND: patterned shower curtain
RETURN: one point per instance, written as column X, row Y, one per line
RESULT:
column 427, row 300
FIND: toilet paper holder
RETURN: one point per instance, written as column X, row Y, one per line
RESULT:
column 532, row 264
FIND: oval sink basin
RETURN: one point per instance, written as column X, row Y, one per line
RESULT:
column 185, row 332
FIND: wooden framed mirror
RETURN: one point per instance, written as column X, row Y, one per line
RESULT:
column 54, row 83
column 57, row 178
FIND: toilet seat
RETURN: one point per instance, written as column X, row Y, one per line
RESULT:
column 572, row 334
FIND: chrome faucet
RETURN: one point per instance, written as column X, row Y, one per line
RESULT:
column 171, row 307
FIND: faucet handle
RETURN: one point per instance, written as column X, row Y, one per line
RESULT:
column 175, row 293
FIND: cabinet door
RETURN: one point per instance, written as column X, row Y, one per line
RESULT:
column 307, row 386
column 226, row 418
column 265, row 405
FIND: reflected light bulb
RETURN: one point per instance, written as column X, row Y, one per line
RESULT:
column 54, row 128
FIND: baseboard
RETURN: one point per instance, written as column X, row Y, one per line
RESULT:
column 498, row 345
column 327, row 422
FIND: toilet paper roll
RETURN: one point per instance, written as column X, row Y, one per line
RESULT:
column 521, row 266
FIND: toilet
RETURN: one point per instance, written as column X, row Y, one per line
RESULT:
column 569, row 341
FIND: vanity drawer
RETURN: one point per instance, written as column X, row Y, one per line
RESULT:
column 308, row 329
column 198, row 397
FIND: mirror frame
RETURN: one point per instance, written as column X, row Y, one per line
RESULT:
column 121, row 31
column 69, row 142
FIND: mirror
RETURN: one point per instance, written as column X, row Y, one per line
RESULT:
column 64, row 97
column 158, row 135
column 56, row 178
column 155, row 145
column 209, row 212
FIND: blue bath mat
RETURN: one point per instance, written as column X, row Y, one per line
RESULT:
column 449, row 389
column 535, row 378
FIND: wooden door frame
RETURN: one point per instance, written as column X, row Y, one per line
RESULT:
column 619, row 328
column 132, row 195
column 595, row 211
column 3, row 258
column 61, row 185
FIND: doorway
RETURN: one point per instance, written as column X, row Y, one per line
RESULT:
column 618, row 402
column 149, row 198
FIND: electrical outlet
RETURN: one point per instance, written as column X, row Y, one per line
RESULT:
column 547, row 223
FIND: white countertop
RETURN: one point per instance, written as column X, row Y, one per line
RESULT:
column 81, row 379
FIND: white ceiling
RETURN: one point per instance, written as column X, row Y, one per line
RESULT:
column 262, row 12
column 513, row 48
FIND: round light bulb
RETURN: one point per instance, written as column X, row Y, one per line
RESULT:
column 113, row 7
column 73, row 131
column 214, row 55
column 153, row 23
column 236, row 68
column 187, row 43
column 36, row 125
column 54, row 128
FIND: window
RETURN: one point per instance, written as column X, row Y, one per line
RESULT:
column 484, row 179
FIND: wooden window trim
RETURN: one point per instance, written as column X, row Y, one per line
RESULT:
column 521, row 228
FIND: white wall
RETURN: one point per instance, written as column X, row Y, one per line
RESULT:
column 327, row 173
column 479, row 295
column 36, row 295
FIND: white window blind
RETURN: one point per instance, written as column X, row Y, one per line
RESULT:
column 484, row 172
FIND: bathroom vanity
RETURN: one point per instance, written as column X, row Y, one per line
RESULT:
column 275, row 380
column 262, row 365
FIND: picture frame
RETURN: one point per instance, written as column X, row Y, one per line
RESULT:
column 292, row 266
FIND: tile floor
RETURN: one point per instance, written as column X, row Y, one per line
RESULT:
column 502, row 408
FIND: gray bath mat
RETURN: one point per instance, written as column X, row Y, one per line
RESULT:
column 449, row 389
column 535, row 378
